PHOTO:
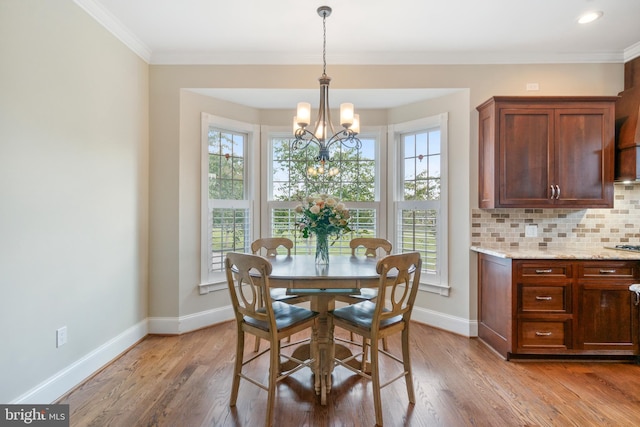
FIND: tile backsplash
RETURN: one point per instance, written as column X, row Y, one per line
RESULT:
column 556, row 228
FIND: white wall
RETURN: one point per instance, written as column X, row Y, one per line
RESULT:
column 73, row 197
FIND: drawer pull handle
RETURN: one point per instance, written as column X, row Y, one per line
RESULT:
column 543, row 334
column 607, row 271
column 545, row 298
column 544, row 271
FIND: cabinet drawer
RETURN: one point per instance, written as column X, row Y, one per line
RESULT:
column 604, row 270
column 537, row 270
column 544, row 299
column 543, row 334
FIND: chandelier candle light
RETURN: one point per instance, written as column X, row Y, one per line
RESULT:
column 324, row 134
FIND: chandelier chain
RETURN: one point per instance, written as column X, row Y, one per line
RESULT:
column 324, row 44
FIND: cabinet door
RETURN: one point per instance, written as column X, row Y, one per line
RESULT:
column 583, row 165
column 607, row 316
column 525, row 148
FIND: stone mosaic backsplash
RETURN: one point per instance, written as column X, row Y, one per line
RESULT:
column 561, row 228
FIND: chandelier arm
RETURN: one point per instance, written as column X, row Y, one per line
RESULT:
column 346, row 138
column 300, row 142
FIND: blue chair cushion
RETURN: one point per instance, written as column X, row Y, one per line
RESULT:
column 361, row 314
column 286, row 315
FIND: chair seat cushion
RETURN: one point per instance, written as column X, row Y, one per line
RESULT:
column 286, row 315
column 361, row 314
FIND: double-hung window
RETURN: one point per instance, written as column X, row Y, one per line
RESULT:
column 228, row 191
column 421, row 195
column 353, row 176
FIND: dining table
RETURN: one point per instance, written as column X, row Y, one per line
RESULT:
column 345, row 274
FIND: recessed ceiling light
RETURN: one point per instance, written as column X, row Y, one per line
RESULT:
column 589, row 17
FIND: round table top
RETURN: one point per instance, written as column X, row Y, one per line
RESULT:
column 301, row 267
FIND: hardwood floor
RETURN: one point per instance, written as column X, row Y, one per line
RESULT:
column 185, row 381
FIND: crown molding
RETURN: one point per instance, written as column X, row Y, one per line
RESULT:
column 115, row 27
column 381, row 58
column 632, row 52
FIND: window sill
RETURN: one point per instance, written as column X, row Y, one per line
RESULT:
column 206, row 288
column 442, row 290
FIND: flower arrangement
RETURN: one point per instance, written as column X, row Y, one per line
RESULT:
column 323, row 215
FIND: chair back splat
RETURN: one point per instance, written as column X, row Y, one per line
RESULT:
column 248, row 292
column 371, row 245
column 398, row 294
column 270, row 245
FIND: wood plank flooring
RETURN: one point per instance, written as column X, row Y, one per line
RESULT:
column 184, row 381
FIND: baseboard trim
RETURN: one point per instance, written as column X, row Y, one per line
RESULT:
column 65, row 380
column 190, row 322
column 456, row 325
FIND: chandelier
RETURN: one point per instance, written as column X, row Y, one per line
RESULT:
column 324, row 134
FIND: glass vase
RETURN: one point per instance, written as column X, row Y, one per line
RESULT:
column 322, row 249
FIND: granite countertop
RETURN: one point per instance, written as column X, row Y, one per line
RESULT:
column 556, row 253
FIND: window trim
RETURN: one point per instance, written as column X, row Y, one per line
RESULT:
column 217, row 280
column 438, row 283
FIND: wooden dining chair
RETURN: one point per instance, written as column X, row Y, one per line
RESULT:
column 269, row 247
column 389, row 314
column 373, row 247
column 248, row 282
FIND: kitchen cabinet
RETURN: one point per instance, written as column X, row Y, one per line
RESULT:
column 558, row 307
column 607, row 318
column 546, row 152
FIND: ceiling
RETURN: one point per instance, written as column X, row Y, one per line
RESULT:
column 371, row 32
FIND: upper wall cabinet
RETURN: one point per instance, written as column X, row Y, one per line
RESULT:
column 547, row 152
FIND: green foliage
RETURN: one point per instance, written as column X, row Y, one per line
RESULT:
column 355, row 182
column 226, row 165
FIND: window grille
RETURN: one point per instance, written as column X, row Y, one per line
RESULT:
column 291, row 183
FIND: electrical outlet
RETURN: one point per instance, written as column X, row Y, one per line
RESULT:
column 61, row 336
column 531, row 230
column 533, row 86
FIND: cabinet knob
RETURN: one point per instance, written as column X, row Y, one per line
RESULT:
column 557, row 192
column 553, row 192
column 549, row 270
column 543, row 298
column 543, row 334
column 607, row 271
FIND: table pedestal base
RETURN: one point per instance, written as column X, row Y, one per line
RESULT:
column 323, row 366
